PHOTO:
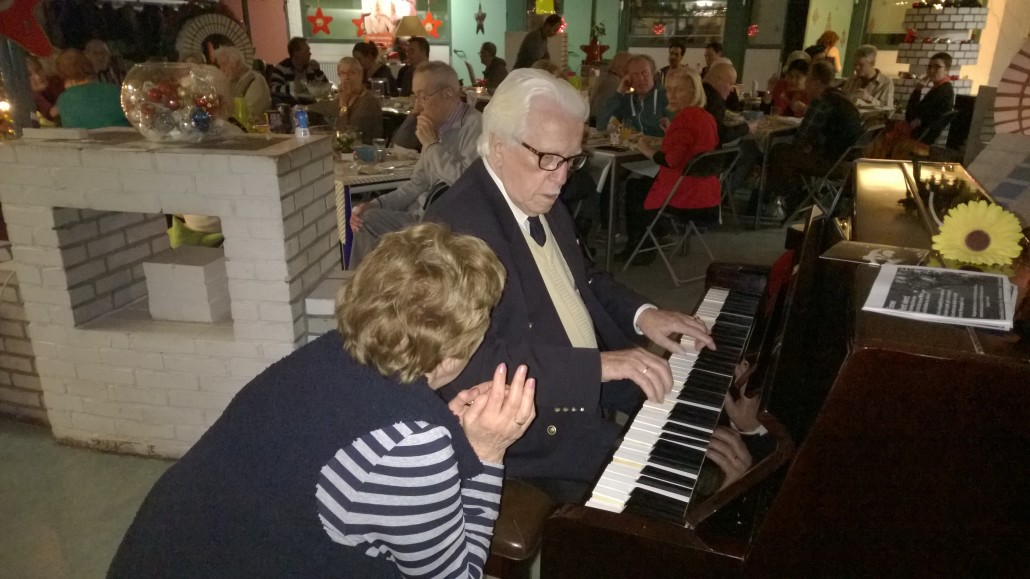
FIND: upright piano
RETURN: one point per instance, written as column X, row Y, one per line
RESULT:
column 912, row 439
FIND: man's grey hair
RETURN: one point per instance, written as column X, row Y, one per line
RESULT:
column 441, row 75
column 525, row 88
column 643, row 58
column 867, row 51
column 720, row 69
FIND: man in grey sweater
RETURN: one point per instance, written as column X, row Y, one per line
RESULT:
column 448, row 130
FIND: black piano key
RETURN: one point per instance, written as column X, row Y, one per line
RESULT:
column 653, row 505
column 699, row 396
column 715, row 383
column 668, row 487
column 695, row 416
column 670, row 477
column 676, row 456
column 684, row 438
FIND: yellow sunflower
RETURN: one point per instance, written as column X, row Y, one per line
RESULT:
column 979, row 232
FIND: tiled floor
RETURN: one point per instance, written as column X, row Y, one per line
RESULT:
column 63, row 510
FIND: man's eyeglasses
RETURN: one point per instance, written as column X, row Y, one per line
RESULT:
column 423, row 97
column 934, row 66
column 552, row 161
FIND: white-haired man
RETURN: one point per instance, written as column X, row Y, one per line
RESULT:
column 246, row 82
column 869, row 86
column 574, row 326
column 448, row 130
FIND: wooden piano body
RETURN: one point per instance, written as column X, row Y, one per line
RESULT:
column 913, row 443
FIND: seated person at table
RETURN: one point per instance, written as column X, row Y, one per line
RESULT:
column 830, row 127
column 46, row 88
column 359, row 107
column 933, row 98
column 638, row 102
column 718, row 86
column 575, row 326
column 496, row 69
column 246, row 83
column 367, row 54
column 341, row 458
column 607, row 86
column 869, row 87
column 691, row 133
column 448, row 129
column 85, row 102
column 288, row 79
column 417, row 52
column 106, row 67
column 787, row 96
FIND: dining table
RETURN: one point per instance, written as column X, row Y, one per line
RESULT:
column 357, row 180
column 607, row 163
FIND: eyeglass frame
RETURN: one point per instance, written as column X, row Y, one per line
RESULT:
column 564, row 160
column 426, row 97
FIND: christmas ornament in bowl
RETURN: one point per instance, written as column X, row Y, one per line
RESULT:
column 176, row 102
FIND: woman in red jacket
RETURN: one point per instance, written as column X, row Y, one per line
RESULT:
column 691, row 132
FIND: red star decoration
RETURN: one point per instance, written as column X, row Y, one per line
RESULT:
column 359, row 22
column 19, row 24
column 319, row 22
column 431, row 25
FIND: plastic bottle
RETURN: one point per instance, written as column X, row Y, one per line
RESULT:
column 300, row 122
column 614, row 133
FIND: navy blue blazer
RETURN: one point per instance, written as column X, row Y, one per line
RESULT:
column 569, row 439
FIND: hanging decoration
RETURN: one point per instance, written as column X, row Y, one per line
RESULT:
column 18, row 22
column 319, row 22
column 359, row 22
column 752, row 31
column 480, row 19
column 658, row 29
column 6, row 120
column 432, row 25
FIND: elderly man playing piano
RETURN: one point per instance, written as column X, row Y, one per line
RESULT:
column 574, row 326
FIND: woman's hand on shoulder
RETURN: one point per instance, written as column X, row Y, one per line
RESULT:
column 499, row 414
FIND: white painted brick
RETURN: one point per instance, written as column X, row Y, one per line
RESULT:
column 132, row 359
column 169, row 415
column 110, row 243
column 45, row 237
column 149, row 396
column 189, row 434
column 27, row 381
column 168, row 449
column 90, row 311
column 18, row 363
column 37, row 256
column 48, row 333
column 53, row 385
column 313, row 171
column 28, row 216
column 140, row 201
column 25, row 175
column 15, row 330
column 117, row 280
column 224, row 384
column 70, row 235
column 19, row 396
column 61, row 315
column 228, row 349
column 105, row 373
column 73, row 256
column 257, row 208
column 112, row 409
column 200, row 365
column 91, row 423
column 20, row 234
column 299, row 157
column 244, row 310
column 5, row 378
column 270, row 271
column 127, row 256
column 171, row 380
column 30, row 312
column 201, row 400
column 252, row 164
column 262, row 331
column 18, row 346
column 246, row 368
column 126, row 160
column 138, row 429
column 221, row 185
column 275, row 312
column 82, row 179
column 64, row 402
column 261, row 187
column 258, row 290
column 290, row 181
column 162, row 184
column 178, row 203
column 276, row 352
column 86, row 389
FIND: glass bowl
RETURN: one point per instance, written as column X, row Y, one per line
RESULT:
column 176, row 102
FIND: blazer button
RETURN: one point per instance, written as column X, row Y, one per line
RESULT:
column 552, row 430
column 530, row 325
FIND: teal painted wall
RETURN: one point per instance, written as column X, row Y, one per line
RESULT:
column 463, row 32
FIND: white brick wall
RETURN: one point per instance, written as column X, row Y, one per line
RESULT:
column 84, row 218
column 21, row 392
column 953, row 24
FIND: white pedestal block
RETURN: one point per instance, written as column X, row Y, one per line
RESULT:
column 188, row 284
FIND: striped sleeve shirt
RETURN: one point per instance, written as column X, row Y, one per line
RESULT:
column 396, row 493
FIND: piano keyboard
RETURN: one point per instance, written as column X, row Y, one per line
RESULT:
column 654, row 470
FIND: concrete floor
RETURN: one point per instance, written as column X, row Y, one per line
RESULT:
column 63, row 510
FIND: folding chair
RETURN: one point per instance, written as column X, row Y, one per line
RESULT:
column 833, row 180
column 712, row 164
column 726, row 197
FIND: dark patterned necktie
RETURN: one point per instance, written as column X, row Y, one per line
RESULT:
column 536, row 231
